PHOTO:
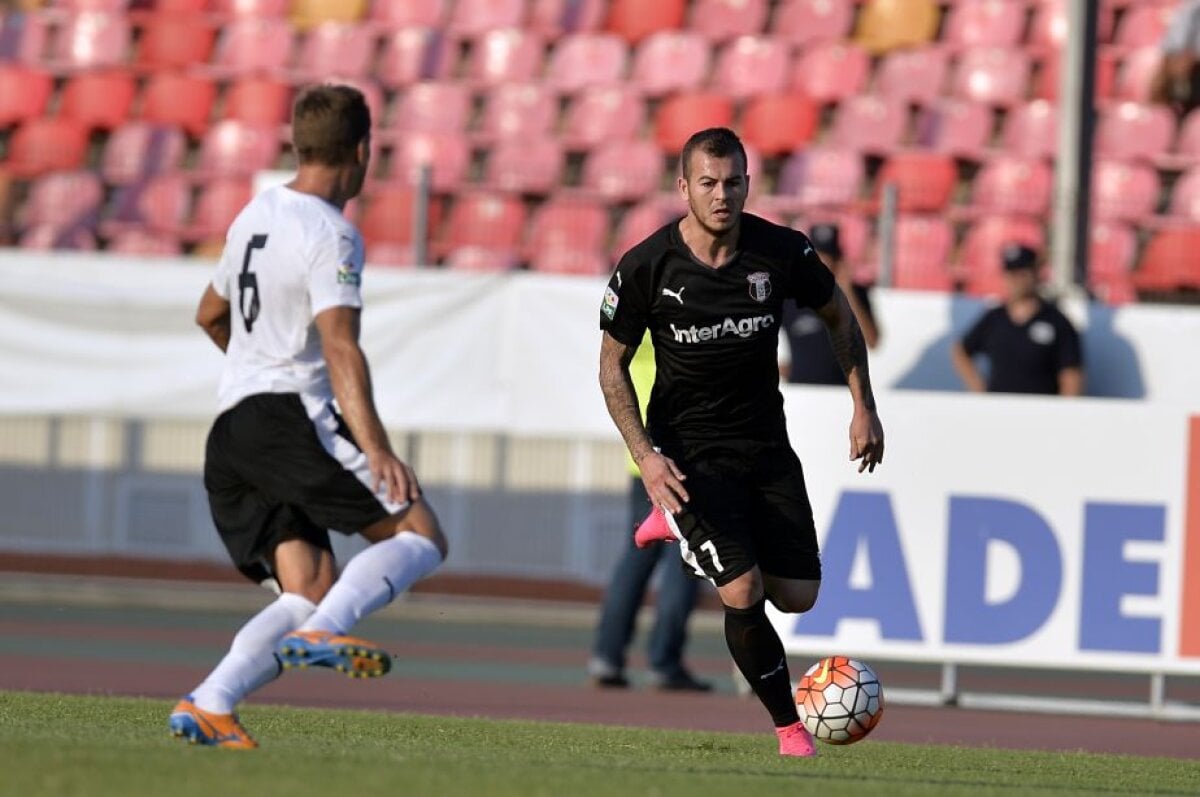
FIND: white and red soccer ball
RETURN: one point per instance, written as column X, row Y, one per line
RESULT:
column 840, row 700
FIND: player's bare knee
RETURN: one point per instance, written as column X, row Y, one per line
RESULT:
column 417, row 518
column 743, row 592
column 795, row 598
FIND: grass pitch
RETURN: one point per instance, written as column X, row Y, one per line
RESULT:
column 64, row 745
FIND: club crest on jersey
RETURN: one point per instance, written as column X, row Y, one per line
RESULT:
column 347, row 276
column 760, row 285
column 609, row 307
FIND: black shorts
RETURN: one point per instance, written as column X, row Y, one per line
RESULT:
column 747, row 506
column 278, row 468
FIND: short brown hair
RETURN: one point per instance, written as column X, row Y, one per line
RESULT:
column 720, row 142
column 328, row 123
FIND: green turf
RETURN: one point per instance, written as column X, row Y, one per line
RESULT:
column 64, row 745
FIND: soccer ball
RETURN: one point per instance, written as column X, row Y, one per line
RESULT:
column 840, row 700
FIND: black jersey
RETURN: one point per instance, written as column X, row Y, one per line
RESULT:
column 1024, row 358
column 715, row 330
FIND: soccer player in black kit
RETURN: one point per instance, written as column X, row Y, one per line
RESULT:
column 714, row 451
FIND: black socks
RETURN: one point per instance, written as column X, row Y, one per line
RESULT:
column 758, row 653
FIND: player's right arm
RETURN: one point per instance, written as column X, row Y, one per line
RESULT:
column 212, row 315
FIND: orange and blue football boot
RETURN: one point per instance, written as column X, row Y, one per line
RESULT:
column 189, row 721
column 354, row 657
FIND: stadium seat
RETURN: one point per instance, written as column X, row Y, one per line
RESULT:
column 393, row 16
column 980, row 257
column 183, row 100
column 870, row 124
column 46, row 144
column 568, row 224
column 142, row 10
column 261, row 8
column 512, row 110
column 1128, row 130
column 258, row 100
column 751, row 65
column 554, row 18
column 1169, row 262
column 984, row 23
column 777, row 124
column 1048, row 28
column 309, row 14
column 956, row 127
column 722, row 20
column 174, row 42
column 527, row 165
column 412, row 55
column 388, row 217
column 443, row 106
column 508, row 55
column 24, row 93
column 993, row 75
column 819, row 177
column 634, row 20
column 484, row 219
column 581, row 60
column 1031, row 130
column 921, row 254
column 90, row 40
column 63, row 200
column 1124, row 190
column 99, row 100
column 1048, row 77
column 143, row 243
column 137, row 150
column 924, row 180
column 603, row 113
column 643, row 219
column 669, row 61
column 447, row 154
column 217, row 204
column 806, row 22
column 1143, row 25
column 1135, row 74
column 232, row 148
column 473, row 18
column 1111, row 250
column 159, row 204
column 344, row 49
column 391, row 255
column 44, row 237
column 474, row 257
column 916, row 76
column 623, row 171
column 580, row 262
column 681, row 115
column 253, row 44
column 831, row 72
column 1011, row 185
column 886, row 25
column 1186, row 152
column 23, row 37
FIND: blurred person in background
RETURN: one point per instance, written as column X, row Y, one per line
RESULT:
column 1029, row 345
column 807, row 356
column 677, row 589
column 1176, row 82
column 714, row 451
column 284, row 463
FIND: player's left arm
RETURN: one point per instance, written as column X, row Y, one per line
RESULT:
column 850, row 350
column 213, row 317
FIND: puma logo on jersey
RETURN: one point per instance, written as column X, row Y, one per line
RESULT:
column 676, row 295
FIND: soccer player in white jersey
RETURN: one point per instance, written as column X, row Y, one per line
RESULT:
column 298, row 448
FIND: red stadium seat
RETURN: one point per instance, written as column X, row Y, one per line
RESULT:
column 623, row 171
column 253, row 44
column 671, row 61
column 984, row 23
column 258, row 101
column 100, row 99
column 396, row 16
column 752, row 65
column 1111, row 250
column 921, row 258
column 580, row 262
column 486, row 259
column 512, row 110
column 447, row 154
column 913, row 75
column 554, row 18
column 24, row 93
column 24, row 37
column 412, row 55
column 137, row 150
column 565, row 224
column 634, row 20
column 1169, row 262
column 392, row 255
column 1048, row 29
column 472, row 18
column 1129, row 131
column 993, row 75
column 872, row 125
column 1185, row 196
column 525, row 165
column 819, row 177
column 1187, row 146
column 508, row 55
column 1048, row 78
column 344, row 49
column 832, row 72
column 388, row 218
column 90, row 40
column 680, row 116
column 232, row 149
column 145, row 244
column 980, row 258
column 175, row 42
column 46, row 144
column 777, row 124
column 494, row 221
column 1124, row 191
column 924, row 180
column 1011, row 185
column 434, row 107
column 722, row 20
column 141, row 10
column 1135, row 74
column 1144, row 25
column 956, row 127
column 582, row 60
column 63, row 200
column 217, row 206
column 45, row 238
column 603, row 113
column 159, row 204
column 643, row 219
column 183, row 100
column 1031, row 130
column 806, row 22
column 263, row 8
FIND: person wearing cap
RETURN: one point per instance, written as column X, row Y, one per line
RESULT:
column 1029, row 345
column 808, row 356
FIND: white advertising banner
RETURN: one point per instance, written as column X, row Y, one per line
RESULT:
column 1005, row 530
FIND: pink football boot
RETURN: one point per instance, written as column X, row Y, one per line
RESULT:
column 653, row 529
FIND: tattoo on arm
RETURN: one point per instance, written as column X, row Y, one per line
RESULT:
column 849, row 346
column 620, row 396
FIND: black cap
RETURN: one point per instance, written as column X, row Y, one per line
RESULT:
column 1018, row 256
column 825, row 239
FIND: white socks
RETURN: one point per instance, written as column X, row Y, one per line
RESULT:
column 372, row 579
column 250, row 662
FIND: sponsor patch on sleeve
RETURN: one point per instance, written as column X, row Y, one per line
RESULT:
column 609, row 307
column 346, row 275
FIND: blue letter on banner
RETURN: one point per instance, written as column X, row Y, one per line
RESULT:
column 1108, row 575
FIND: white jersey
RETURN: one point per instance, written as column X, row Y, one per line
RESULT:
column 288, row 256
